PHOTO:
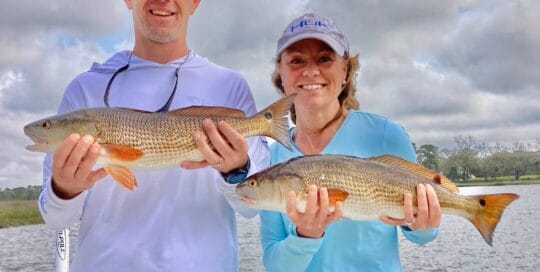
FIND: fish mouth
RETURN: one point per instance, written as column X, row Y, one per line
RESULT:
column 248, row 201
column 39, row 144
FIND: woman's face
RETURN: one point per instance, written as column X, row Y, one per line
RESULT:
column 314, row 71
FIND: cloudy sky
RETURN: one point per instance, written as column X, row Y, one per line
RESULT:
column 440, row 68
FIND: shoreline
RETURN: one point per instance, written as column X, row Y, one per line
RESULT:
column 497, row 183
column 16, row 213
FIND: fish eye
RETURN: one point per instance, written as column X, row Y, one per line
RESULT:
column 252, row 183
column 268, row 115
column 46, row 125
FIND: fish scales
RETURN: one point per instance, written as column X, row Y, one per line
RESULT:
column 368, row 188
column 165, row 140
column 372, row 187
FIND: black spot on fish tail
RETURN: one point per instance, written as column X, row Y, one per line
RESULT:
column 482, row 202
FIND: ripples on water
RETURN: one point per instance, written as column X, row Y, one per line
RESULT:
column 459, row 247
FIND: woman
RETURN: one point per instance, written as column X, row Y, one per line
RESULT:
column 313, row 61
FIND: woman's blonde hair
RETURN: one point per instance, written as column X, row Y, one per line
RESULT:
column 347, row 97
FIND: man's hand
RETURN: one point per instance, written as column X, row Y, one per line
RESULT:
column 230, row 149
column 72, row 165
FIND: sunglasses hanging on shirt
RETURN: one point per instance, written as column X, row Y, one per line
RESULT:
column 167, row 104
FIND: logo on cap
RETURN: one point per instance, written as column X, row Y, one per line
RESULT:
column 303, row 23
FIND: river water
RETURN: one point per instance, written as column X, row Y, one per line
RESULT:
column 459, row 247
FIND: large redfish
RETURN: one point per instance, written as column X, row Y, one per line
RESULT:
column 131, row 139
column 368, row 188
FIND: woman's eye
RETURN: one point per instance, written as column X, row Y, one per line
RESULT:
column 325, row 59
column 296, row 61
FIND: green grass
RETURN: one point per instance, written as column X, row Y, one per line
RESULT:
column 19, row 213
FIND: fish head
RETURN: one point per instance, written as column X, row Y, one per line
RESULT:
column 49, row 132
column 269, row 192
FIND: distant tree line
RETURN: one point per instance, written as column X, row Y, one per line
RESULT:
column 20, row 193
column 472, row 159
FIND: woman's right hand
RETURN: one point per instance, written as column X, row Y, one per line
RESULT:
column 313, row 222
column 72, row 166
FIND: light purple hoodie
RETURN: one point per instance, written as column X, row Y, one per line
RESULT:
column 176, row 219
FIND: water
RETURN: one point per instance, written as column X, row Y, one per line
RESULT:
column 459, row 247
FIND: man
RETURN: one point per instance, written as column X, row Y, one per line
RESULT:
column 176, row 219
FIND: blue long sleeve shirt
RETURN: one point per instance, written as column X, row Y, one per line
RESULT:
column 347, row 245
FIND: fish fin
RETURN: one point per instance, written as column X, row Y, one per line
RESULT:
column 122, row 175
column 135, row 110
column 122, row 152
column 202, row 111
column 416, row 169
column 275, row 116
column 335, row 195
column 485, row 219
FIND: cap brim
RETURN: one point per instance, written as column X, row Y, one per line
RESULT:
column 339, row 49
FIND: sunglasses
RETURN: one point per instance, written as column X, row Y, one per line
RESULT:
column 167, row 104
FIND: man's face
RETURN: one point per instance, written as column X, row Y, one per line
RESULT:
column 160, row 20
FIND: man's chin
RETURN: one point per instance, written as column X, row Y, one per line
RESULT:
column 161, row 36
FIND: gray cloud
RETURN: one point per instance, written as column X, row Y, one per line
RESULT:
column 42, row 81
column 48, row 50
column 88, row 18
column 390, row 28
column 496, row 46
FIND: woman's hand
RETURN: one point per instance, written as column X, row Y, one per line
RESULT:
column 428, row 214
column 315, row 219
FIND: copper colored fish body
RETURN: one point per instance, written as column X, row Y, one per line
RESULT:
column 368, row 188
column 132, row 139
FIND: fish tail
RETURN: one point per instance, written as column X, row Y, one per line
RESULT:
column 488, row 215
column 275, row 116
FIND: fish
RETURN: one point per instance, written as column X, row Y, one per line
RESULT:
column 368, row 188
column 133, row 139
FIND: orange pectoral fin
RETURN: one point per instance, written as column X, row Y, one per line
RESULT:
column 122, row 152
column 122, row 175
column 335, row 195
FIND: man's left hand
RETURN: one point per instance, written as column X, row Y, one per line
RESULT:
column 221, row 146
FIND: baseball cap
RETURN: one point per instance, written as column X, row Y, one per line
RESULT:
column 313, row 26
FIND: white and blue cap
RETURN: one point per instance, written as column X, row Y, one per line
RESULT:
column 313, row 26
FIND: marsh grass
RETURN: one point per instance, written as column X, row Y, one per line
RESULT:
column 18, row 213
